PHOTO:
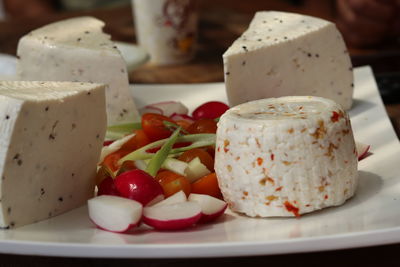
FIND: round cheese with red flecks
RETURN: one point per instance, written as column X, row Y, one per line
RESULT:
column 285, row 156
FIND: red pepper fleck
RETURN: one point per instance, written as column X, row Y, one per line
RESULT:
column 279, row 188
column 259, row 161
column 335, row 116
column 290, row 208
column 326, row 196
column 218, row 149
column 272, row 157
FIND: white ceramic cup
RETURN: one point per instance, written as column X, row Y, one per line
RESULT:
column 166, row 29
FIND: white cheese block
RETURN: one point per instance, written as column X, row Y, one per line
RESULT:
column 283, row 54
column 51, row 134
column 285, row 156
column 77, row 50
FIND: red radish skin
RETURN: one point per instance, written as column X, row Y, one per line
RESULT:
column 210, row 110
column 107, row 187
column 172, row 217
column 206, row 218
column 172, row 225
column 115, row 214
column 129, row 227
column 362, row 150
column 138, row 185
column 211, row 207
column 166, row 108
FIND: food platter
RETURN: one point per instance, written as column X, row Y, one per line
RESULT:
column 372, row 217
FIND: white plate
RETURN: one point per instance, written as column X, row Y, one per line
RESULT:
column 372, row 217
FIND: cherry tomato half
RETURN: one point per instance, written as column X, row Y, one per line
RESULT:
column 207, row 185
column 210, row 110
column 153, row 126
column 203, row 126
column 204, row 157
column 172, row 183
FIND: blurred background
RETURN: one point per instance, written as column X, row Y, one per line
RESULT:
column 371, row 29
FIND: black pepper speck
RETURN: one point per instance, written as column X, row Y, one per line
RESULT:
column 60, row 199
column 12, row 224
column 7, row 117
column 42, row 192
column 19, row 162
column 245, row 48
column 352, row 84
column 9, row 210
column 79, row 39
column 227, row 73
column 52, row 137
column 47, row 108
column 243, row 63
column 88, row 93
column 309, row 54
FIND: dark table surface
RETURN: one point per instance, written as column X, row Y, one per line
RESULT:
column 216, row 34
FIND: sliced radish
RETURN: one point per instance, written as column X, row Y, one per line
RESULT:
column 178, row 197
column 166, row 108
column 211, row 207
column 172, row 217
column 195, row 170
column 180, row 117
column 140, row 186
column 115, row 214
column 362, row 150
column 107, row 187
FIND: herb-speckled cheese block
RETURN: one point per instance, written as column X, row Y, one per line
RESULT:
column 51, row 135
column 285, row 156
column 283, row 54
column 77, row 50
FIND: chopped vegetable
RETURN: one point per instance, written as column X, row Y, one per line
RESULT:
column 173, row 183
column 158, row 159
column 210, row 110
column 196, row 140
column 154, row 127
column 207, row 185
column 118, row 131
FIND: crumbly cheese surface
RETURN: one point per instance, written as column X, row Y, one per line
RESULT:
column 51, row 134
column 77, row 50
column 285, row 156
column 284, row 54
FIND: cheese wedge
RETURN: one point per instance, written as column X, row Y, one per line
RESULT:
column 77, row 50
column 285, row 156
column 283, row 54
column 51, row 134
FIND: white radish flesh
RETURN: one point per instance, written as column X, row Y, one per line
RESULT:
column 211, row 207
column 178, row 197
column 172, row 217
column 114, row 214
